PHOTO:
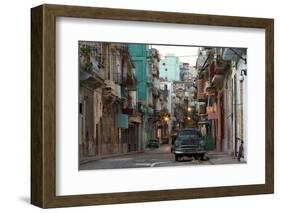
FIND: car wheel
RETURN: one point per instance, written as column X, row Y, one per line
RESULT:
column 205, row 158
column 176, row 158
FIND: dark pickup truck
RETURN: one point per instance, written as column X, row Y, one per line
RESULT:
column 189, row 142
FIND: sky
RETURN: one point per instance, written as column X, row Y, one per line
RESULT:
column 185, row 53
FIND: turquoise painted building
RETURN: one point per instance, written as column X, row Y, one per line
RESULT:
column 139, row 53
column 169, row 68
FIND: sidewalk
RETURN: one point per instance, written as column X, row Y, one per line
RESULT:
column 222, row 158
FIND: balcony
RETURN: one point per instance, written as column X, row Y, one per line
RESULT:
column 110, row 86
column 218, row 76
column 206, row 86
column 92, row 80
column 150, row 111
column 155, row 70
column 130, row 106
column 135, row 118
column 155, row 92
column 164, row 93
column 211, row 91
column 202, row 108
column 149, row 81
column 117, row 77
column 217, row 73
column 124, row 93
column 112, row 90
column 129, row 79
column 212, row 112
column 128, row 111
column 211, row 109
column 200, row 93
column 90, row 74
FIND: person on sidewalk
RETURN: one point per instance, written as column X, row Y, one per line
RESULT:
column 203, row 131
column 241, row 151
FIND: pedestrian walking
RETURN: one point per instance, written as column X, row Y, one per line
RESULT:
column 203, row 131
column 241, row 151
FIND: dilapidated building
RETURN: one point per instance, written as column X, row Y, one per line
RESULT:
column 106, row 96
column 221, row 95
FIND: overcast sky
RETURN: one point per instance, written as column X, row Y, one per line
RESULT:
column 185, row 54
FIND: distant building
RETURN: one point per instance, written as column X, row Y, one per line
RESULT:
column 169, row 68
column 166, row 108
column 187, row 73
column 153, row 93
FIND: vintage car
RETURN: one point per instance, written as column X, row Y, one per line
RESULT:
column 153, row 143
column 189, row 143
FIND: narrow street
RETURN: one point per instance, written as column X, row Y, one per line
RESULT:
column 161, row 157
column 134, row 96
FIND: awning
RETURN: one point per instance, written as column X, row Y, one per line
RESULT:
column 122, row 120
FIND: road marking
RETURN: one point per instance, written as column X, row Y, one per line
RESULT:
column 143, row 164
column 157, row 163
column 150, row 164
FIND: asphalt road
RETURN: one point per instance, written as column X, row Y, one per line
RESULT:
column 160, row 157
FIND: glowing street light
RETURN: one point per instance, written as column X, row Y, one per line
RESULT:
column 166, row 118
column 188, row 118
column 189, row 109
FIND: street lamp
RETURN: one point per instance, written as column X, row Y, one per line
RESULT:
column 166, row 118
column 189, row 109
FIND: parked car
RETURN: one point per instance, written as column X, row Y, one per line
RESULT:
column 190, row 143
column 153, row 143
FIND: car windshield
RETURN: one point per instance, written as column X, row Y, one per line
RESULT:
column 188, row 132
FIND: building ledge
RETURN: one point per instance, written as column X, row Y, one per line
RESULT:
column 93, row 80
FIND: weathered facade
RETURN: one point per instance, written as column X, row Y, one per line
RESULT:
column 153, row 93
column 106, row 73
column 166, row 110
column 138, row 53
column 237, row 81
column 221, row 96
